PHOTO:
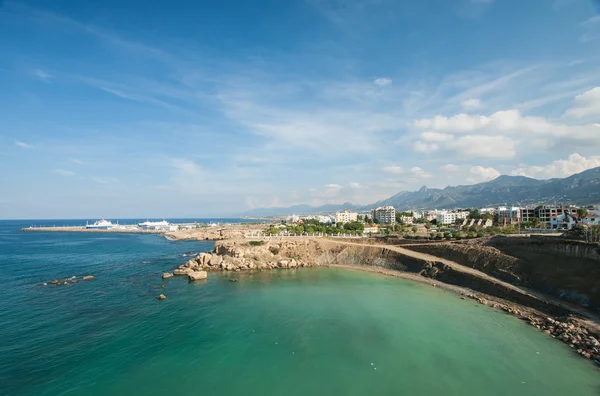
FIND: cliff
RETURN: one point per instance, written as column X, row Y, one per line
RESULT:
column 565, row 269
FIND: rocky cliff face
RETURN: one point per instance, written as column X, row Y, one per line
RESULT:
column 565, row 269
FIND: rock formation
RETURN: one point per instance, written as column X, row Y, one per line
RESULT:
column 167, row 275
column 197, row 275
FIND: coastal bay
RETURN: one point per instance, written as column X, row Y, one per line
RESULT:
column 319, row 330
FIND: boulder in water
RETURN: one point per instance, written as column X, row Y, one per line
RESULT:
column 161, row 297
column 197, row 275
column 88, row 277
column 167, row 275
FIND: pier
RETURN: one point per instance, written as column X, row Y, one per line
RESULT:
column 117, row 228
column 124, row 230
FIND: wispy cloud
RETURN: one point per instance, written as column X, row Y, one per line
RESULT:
column 64, row 172
column 76, row 161
column 382, row 81
column 42, row 75
column 24, row 145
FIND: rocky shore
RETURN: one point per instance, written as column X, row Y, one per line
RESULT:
column 575, row 327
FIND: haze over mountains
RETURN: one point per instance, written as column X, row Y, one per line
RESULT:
column 581, row 188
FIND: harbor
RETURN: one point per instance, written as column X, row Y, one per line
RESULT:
column 106, row 226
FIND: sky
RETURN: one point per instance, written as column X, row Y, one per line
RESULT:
column 210, row 108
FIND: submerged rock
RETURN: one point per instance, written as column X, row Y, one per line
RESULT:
column 161, row 297
column 167, row 275
column 88, row 277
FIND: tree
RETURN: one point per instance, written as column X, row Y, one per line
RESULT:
column 360, row 218
column 474, row 214
column 415, row 229
column 582, row 213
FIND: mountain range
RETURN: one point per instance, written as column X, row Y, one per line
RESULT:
column 581, row 188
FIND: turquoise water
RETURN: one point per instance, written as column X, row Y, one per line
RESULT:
column 294, row 332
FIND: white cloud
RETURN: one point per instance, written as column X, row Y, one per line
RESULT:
column 382, row 81
column 560, row 168
column 420, row 173
column 64, row 172
column 586, row 104
column 482, row 146
column 76, row 161
column 422, row 147
column 393, row 169
column 590, row 21
column 436, row 137
column 450, row 168
column 24, row 145
column 42, row 75
column 471, row 104
column 333, row 186
column 481, row 174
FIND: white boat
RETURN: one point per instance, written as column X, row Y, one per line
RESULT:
column 149, row 225
column 100, row 224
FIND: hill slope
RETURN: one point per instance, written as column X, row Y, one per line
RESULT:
column 581, row 188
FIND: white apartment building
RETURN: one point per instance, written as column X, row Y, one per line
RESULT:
column 444, row 217
column 463, row 214
column 345, row 217
column 384, row 214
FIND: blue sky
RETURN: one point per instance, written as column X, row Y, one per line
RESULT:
column 197, row 108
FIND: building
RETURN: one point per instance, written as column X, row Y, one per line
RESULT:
column 592, row 218
column 565, row 221
column 545, row 213
column 345, row 217
column 384, row 214
column 408, row 220
column 444, row 217
column 371, row 230
column 508, row 215
column 462, row 214
column 528, row 214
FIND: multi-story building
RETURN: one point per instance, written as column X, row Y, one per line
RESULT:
column 545, row 213
column 444, row 217
column 345, row 217
column 462, row 214
column 384, row 214
column 508, row 215
column 528, row 213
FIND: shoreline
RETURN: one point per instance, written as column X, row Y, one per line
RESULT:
column 574, row 325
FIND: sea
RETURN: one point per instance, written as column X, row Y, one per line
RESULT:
column 310, row 331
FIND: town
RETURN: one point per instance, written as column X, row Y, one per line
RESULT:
column 442, row 224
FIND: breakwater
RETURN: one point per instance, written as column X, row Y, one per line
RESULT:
column 124, row 230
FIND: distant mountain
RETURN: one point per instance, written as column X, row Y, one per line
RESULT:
column 581, row 188
column 298, row 209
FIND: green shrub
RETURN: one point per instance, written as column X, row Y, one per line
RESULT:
column 256, row 243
